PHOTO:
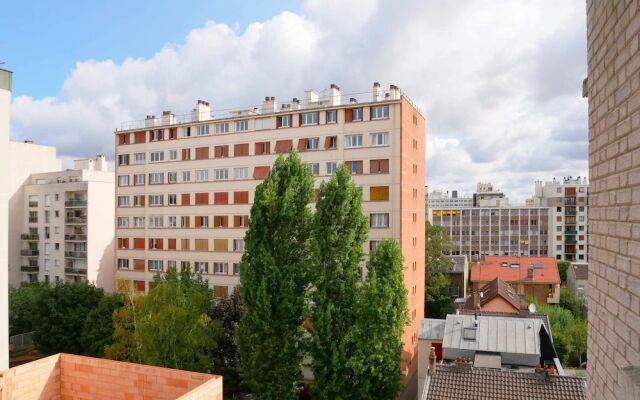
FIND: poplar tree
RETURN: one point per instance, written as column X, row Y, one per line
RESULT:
column 340, row 229
column 382, row 314
column 274, row 281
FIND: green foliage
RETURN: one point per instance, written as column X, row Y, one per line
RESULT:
column 126, row 346
column 340, row 229
column 382, row 314
column 571, row 302
column 437, row 264
column 97, row 332
column 22, row 303
column 569, row 334
column 274, row 280
column 563, row 267
column 59, row 316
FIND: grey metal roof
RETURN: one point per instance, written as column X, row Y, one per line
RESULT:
column 459, row 264
column 431, row 329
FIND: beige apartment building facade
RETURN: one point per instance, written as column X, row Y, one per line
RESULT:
column 5, row 102
column 185, row 185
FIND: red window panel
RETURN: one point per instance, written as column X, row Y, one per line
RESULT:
column 221, row 198
column 263, row 148
column 159, row 244
column 221, row 151
column 240, row 197
column 138, row 243
column 202, row 198
column 379, row 166
column 173, row 133
column 261, row 172
column 284, row 146
column 139, row 137
column 123, row 243
column 171, row 244
column 302, row 144
column 186, row 199
column 241, row 149
column 330, row 142
column 123, row 138
column 139, row 285
column 186, row 154
column 202, row 153
column 348, row 115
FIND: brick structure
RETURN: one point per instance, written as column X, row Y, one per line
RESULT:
column 67, row 376
column 613, row 89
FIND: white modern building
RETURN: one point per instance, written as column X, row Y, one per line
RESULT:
column 443, row 199
column 5, row 102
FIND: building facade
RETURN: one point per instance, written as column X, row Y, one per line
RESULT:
column 440, row 199
column 67, row 230
column 5, row 102
column 185, row 185
column 613, row 89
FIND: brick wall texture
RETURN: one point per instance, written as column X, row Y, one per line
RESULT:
column 613, row 89
column 66, row 376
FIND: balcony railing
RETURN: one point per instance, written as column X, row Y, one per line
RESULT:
column 570, row 212
column 30, row 237
column 29, row 268
column 75, row 203
column 570, row 241
column 75, row 220
column 29, row 253
column 75, row 271
column 571, row 232
column 81, row 238
column 75, row 254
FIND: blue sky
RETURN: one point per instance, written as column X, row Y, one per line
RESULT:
column 41, row 41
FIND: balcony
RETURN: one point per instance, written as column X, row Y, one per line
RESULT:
column 29, row 253
column 75, row 271
column 33, row 220
column 29, row 268
column 33, row 204
column 570, row 201
column 75, row 220
column 76, row 238
column 571, row 232
column 75, row 254
column 570, row 212
column 31, row 237
column 570, row 241
column 75, row 203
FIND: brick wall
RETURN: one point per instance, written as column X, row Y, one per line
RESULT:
column 613, row 89
column 36, row 380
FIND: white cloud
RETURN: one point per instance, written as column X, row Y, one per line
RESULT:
column 499, row 81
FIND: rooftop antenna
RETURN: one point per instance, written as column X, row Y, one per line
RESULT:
column 532, row 308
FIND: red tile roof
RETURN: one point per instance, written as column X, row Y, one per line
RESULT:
column 545, row 269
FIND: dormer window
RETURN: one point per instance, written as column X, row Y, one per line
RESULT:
column 469, row 334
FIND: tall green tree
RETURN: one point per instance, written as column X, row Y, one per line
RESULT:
column 97, row 332
column 22, row 303
column 437, row 265
column 563, row 267
column 340, row 229
column 274, row 280
column 382, row 314
column 126, row 346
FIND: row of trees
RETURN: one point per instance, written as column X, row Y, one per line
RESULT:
column 302, row 292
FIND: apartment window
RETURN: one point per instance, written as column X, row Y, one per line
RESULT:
column 123, row 263
column 186, row 131
column 123, row 222
column 172, row 177
column 201, row 267
column 283, row 121
column 241, row 173
column 138, row 179
column 309, row 118
column 202, row 153
column 138, row 158
column 202, row 130
column 186, row 176
column 379, row 166
column 155, row 221
column 240, row 221
column 47, row 217
column 155, row 135
column 355, row 167
column 56, row 197
column 220, row 268
column 172, row 221
column 123, row 201
column 241, row 149
column 138, row 201
column 221, row 198
column 312, row 143
column 353, row 114
column 331, row 142
column 332, row 116
column 380, row 139
column 185, row 222
column 156, row 178
column 581, row 228
column 202, row 175
column 353, row 141
column 155, row 265
column 138, row 222
column 221, row 174
column 262, row 123
column 238, row 245
column 123, row 180
column 380, row 220
column 156, row 156
column 331, row 167
column 314, row 168
column 202, row 221
column 220, row 221
column 155, row 199
column 202, row 198
column 222, row 127
column 263, row 148
column 173, row 155
column 373, row 245
column 186, row 154
column 242, row 126
column 241, row 197
column 379, row 193
column 379, row 112
column 123, row 159
column 172, row 199
column 236, row 268
column 221, row 151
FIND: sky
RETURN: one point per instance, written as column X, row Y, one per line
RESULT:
column 499, row 81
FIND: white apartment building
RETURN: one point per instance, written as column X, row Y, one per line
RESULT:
column 438, row 199
column 5, row 102
column 67, row 230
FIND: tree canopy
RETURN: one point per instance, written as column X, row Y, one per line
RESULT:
column 437, row 265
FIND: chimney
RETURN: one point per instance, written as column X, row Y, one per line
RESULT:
column 295, row 104
column 377, row 92
column 100, row 163
column 463, row 364
column 168, row 118
column 353, row 100
column 394, row 92
column 432, row 361
column 202, row 112
column 269, row 105
column 150, row 121
column 310, row 96
column 334, row 95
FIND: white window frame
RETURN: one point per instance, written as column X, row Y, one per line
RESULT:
column 202, row 130
column 314, row 168
column 379, row 220
column 123, row 263
column 310, row 118
column 380, row 139
column 313, row 143
column 155, row 265
column 353, row 141
column 202, row 175
column 138, row 222
column 123, row 201
column 139, row 158
column 380, row 112
column 172, row 199
column 201, row 267
column 221, row 174
column 156, row 156
column 334, row 118
column 172, row 221
column 123, row 222
column 138, row 179
column 238, row 244
column 357, row 114
column 170, row 175
column 332, row 166
column 242, row 126
column 123, row 180
column 186, row 176
column 220, row 268
column 173, row 155
column 156, row 200
column 156, row 178
column 156, row 221
column 283, row 119
column 222, row 127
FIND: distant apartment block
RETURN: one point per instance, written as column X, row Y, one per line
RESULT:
column 67, row 232
column 441, row 199
column 5, row 102
column 185, row 184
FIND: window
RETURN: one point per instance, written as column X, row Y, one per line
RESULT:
column 379, row 193
column 263, row 148
column 202, row 130
column 156, row 178
column 331, row 167
column 123, row 201
column 469, row 334
column 309, row 118
column 172, row 221
column 353, row 141
column 220, row 221
column 172, row 199
column 186, row 131
column 355, row 167
column 123, row 159
column 241, row 149
column 155, row 265
column 221, row 174
column 172, row 177
column 138, row 201
column 222, row 127
column 240, row 221
column 379, row 166
column 221, row 198
column 283, row 121
column 138, row 158
column 155, row 135
column 202, row 221
column 262, row 123
column 380, row 220
column 312, row 143
column 236, row 268
column 202, row 175
column 155, row 221
column 202, row 198
column 201, row 267
column 123, row 180
column 241, row 173
column 331, row 142
column 353, row 114
column 138, row 179
column 238, row 245
column 220, row 268
column 221, row 151
column 202, row 153
column 173, row 155
column 379, row 112
column 185, row 223
column 314, row 168
column 138, row 222
column 123, row 263
column 155, row 199
column 242, row 126
column 123, row 222
column 241, row 197
column 380, row 139
column 332, row 116
column 156, row 156
column 186, row 176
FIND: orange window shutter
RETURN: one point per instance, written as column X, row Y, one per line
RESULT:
column 186, row 198
column 267, row 147
column 138, row 243
column 138, row 265
column 173, row 133
column 185, row 154
column 221, row 198
column 171, row 244
column 240, row 197
column 198, row 221
column 202, row 153
column 220, row 245
column 374, row 167
column 259, row 148
column 236, row 221
column 184, row 244
column 218, row 152
column 384, row 166
column 202, row 198
column 359, row 167
column 139, row 137
column 202, row 245
column 348, row 115
column 302, row 144
column 142, row 200
column 241, row 149
column 160, row 244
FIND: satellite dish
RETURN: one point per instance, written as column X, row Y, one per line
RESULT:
column 532, row 308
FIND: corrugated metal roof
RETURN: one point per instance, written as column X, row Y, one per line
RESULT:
column 432, row 329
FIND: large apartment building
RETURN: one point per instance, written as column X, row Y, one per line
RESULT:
column 5, row 101
column 185, row 184
column 66, row 226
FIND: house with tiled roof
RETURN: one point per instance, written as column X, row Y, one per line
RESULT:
column 498, row 296
column 536, row 277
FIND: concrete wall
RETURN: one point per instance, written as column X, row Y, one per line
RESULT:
column 101, row 230
column 613, row 89
column 5, row 102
